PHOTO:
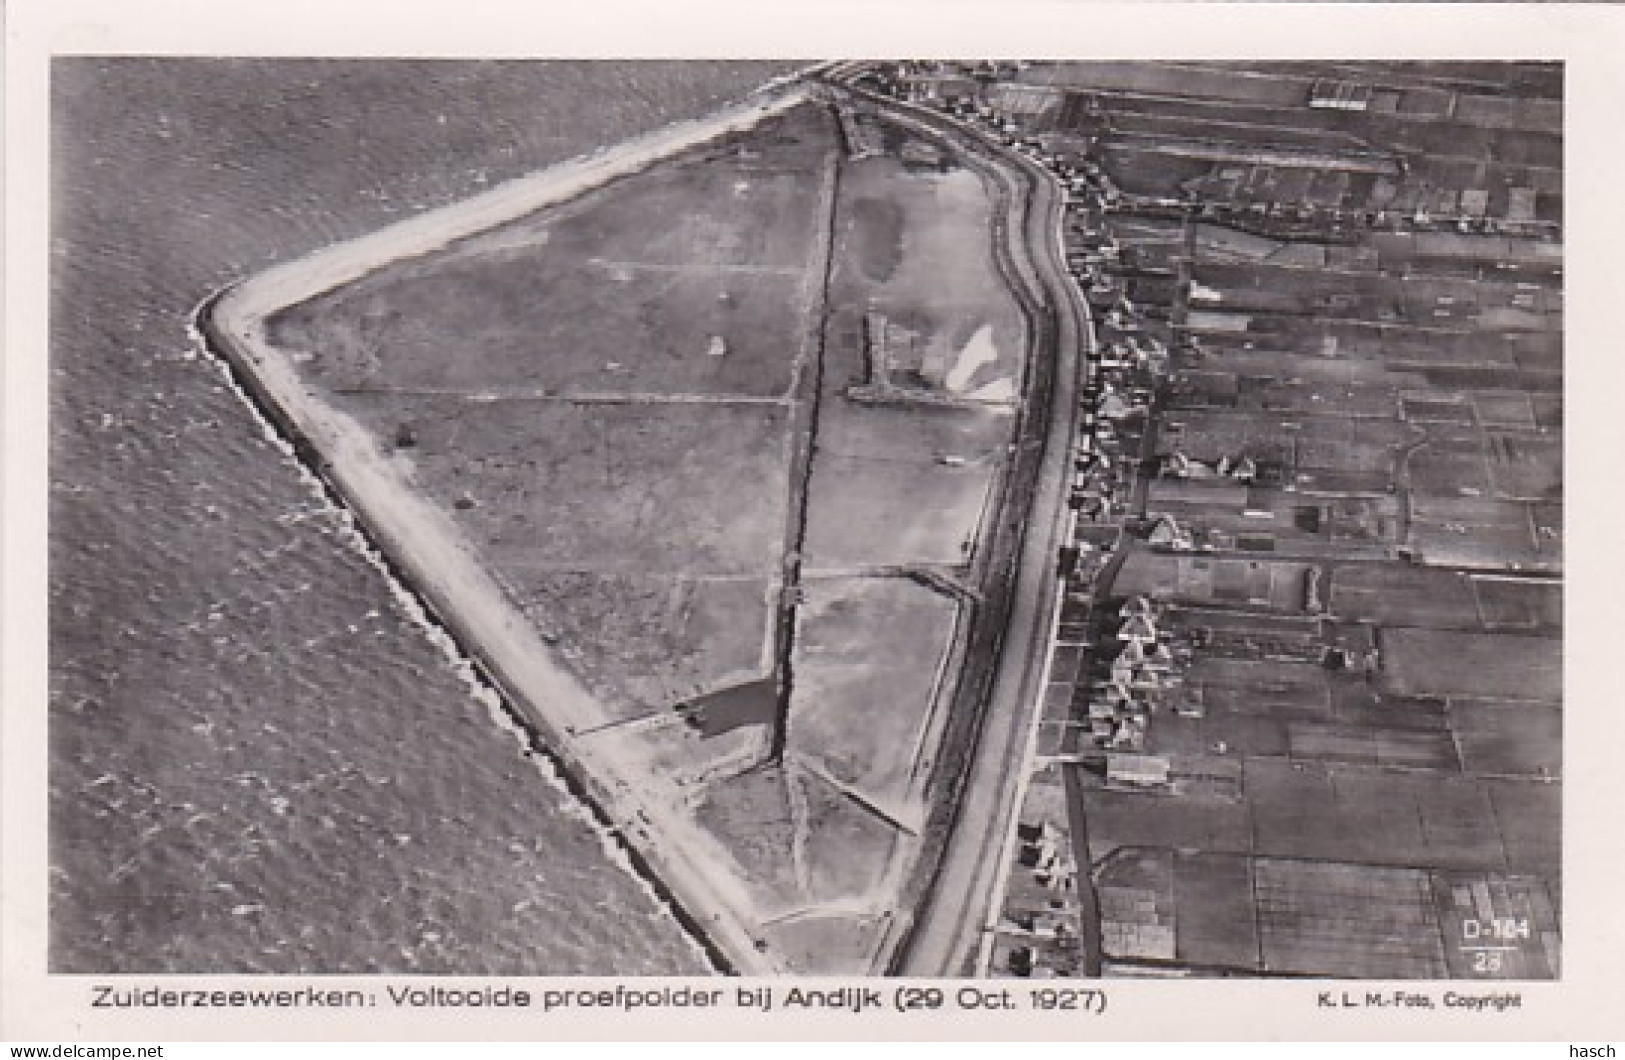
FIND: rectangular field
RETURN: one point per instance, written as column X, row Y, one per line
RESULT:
column 1366, row 922
column 1127, row 818
column 650, row 640
column 1422, row 662
column 902, row 482
column 1389, row 594
column 1500, row 739
column 918, row 247
column 555, row 485
column 1507, row 603
column 867, row 663
column 894, row 486
column 1213, row 903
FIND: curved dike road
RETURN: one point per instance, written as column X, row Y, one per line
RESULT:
column 948, row 927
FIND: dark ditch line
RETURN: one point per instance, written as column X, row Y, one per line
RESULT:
column 1093, row 934
column 248, row 386
column 971, row 704
column 968, row 708
column 800, row 479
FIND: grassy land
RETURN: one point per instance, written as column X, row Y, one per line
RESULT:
column 866, row 667
column 929, row 263
column 632, row 545
column 649, row 641
column 1499, row 666
column 621, row 291
column 874, row 512
column 607, row 398
column 754, row 816
column 847, row 847
column 566, row 386
column 918, row 248
column 544, row 485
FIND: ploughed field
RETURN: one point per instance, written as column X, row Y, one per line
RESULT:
column 724, row 431
column 1351, row 757
column 259, row 761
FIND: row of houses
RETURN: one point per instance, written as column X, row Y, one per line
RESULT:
column 1144, row 674
column 1042, row 929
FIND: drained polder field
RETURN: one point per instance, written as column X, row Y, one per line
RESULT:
column 610, row 401
column 260, row 759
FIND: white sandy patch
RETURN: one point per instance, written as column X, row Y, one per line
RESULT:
column 978, row 351
column 998, row 392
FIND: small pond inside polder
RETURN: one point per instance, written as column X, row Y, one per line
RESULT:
column 752, row 703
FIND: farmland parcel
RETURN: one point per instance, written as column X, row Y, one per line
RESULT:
column 696, row 460
column 1305, row 705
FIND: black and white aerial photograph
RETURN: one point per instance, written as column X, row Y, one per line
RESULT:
column 989, row 519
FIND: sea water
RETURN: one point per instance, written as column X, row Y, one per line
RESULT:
column 263, row 758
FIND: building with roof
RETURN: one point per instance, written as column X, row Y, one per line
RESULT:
column 1129, row 735
column 1167, row 533
column 1113, row 406
column 1138, row 605
column 1104, row 710
column 1139, row 770
column 1521, row 204
column 1329, row 94
column 1138, row 628
column 1160, row 659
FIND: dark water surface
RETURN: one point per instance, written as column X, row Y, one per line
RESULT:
column 260, row 761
